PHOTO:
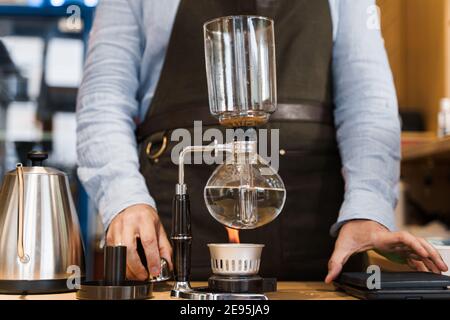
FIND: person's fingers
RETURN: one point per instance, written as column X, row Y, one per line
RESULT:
column 336, row 262
column 165, row 249
column 411, row 264
column 417, row 265
column 413, row 256
column 134, row 264
column 130, row 274
column 114, row 238
column 409, row 240
column 149, row 240
column 113, row 235
column 435, row 257
column 431, row 266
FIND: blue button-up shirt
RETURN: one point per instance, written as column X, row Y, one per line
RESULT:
column 126, row 51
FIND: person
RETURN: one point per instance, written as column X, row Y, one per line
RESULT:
column 145, row 74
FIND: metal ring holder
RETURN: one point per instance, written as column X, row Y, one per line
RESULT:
column 154, row 157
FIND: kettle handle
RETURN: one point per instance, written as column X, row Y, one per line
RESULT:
column 20, row 223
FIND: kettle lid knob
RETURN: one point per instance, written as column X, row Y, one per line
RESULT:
column 37, row 157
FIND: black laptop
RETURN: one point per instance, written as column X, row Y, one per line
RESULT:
column 396, row 286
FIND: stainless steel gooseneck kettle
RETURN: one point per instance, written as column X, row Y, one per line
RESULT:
column 39, row 230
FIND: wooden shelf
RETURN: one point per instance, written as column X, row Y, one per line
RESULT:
column 433, row 148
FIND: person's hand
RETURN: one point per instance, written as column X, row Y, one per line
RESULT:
column 140, row 221
column 362, row 235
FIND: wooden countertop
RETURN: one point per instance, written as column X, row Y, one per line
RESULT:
column 286, row 291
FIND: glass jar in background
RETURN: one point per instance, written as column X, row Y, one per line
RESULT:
column 444, row 118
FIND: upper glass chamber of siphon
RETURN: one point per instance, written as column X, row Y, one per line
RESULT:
column 240, row 67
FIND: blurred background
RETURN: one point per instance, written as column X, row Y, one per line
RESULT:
column 417, row 39
column 42, row 49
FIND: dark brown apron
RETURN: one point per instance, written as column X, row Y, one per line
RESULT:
column 298, row 243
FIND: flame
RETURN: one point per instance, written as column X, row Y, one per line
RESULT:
column 233, row 235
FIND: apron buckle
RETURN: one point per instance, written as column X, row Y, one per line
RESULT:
column 154, row 157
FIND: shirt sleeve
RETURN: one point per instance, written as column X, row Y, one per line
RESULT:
column 106, row 146
column 366, row 116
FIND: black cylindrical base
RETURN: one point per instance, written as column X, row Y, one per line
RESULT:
column 127, row 290
column 241, row 284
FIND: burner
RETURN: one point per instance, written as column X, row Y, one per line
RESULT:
column 242, row 284
column 235, row 268
column 235, row 259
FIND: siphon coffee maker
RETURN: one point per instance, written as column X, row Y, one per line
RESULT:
column 244, row 192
